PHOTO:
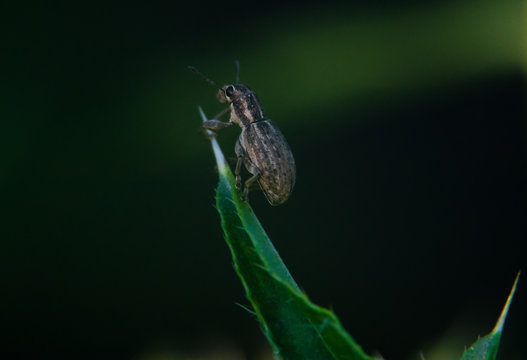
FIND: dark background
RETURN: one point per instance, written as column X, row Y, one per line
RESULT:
column 407, row 121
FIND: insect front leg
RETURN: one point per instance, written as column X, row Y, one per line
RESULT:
column 223, row 112
column 215, row 125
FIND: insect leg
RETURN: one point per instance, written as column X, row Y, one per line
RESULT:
column 256, row 174
column 238, row 171
column 242, row 158
column 215, row 125
column 241, row 155
column 223, row 112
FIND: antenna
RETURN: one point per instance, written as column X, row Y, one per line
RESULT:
column 194, row 70
column 237, row 71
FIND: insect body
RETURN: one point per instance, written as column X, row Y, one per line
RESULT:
column 261, row 146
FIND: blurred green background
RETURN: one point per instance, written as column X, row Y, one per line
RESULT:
column 408, row 124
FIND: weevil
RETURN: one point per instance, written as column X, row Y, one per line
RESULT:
column 261, row 147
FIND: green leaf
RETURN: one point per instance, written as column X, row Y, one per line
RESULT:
column 486, row 348
column 295, row 327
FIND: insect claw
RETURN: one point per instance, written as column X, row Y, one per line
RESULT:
column 245, row 196
column 209, row 134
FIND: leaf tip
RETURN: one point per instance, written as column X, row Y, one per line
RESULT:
column 503, row 315
column 220, row 159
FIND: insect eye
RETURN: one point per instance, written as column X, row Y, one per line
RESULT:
column 229, row 91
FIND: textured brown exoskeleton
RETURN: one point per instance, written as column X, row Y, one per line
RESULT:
column 261, row 146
